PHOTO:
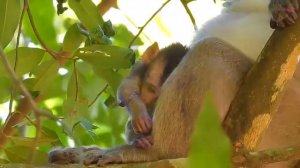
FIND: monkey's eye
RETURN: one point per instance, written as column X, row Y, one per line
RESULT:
column 151, row 88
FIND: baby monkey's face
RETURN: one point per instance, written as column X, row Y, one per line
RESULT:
column 150, row 88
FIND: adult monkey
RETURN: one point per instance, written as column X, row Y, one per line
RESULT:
column 211, row 64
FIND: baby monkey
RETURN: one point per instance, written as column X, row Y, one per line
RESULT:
column 140, row 90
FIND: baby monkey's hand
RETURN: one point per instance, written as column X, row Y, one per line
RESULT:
column 141, row 123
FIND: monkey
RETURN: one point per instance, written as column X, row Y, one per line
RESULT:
column 217, row 60
column 150, row 73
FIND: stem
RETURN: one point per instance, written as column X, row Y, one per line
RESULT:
column 51, row 52
column 188, row 11
column 76, row 81
column 148, row 21
column 98, row 95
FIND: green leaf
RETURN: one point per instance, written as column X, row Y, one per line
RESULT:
column 210, row 146
column 87, row 125
column 87, row 137
column 111, row 102
column 81, row 82
column 5, row 86
column 45, row 75
column 104, row 56
column 87, row 13
column 25, row 141
column 3, row 161
column 73, row 39
column 108, row 29
column 50, row 127
column 10, row 11
column 123, row 37
column 113, row 78
column 43, row 13
column 21, row 154
column 28, row 59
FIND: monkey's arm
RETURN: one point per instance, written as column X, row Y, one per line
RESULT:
column 129, row 95
column 121, row 154
column 284, row 12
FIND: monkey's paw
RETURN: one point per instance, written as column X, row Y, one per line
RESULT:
column 284, row 12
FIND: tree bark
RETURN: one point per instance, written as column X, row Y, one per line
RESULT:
column 259, row 96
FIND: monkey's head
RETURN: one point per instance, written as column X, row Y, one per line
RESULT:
column 158, row 67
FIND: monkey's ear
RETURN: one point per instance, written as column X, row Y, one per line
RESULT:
column 150, row 53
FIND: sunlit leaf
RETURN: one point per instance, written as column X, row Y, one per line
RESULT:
column 104, row 56
column 10, row 11
column 210, row 146
column 73, row 39
column 87, row 13
column 43, row 13
column 28, row 59
column 21, row 154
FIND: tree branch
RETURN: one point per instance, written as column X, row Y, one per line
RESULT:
column 259, row 96
column 251, row 159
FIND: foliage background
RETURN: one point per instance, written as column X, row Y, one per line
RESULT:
column 72, row 64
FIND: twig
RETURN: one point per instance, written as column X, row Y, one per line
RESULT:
column 143, row 27
column 17, row 54
column 51, row 52
column 76, row 80
column 188, row 11
column 98, row 95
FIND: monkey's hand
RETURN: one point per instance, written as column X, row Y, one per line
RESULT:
column 144, row 142
column 141, row 122
column 284, row 12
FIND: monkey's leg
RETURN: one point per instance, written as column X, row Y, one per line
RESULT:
column 209, row 65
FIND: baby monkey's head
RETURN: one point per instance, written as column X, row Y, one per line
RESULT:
column 157, row 68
